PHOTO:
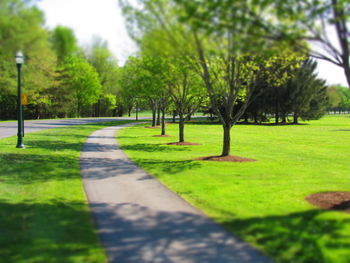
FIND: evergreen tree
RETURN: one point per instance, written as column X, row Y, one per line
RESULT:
column 306, row 95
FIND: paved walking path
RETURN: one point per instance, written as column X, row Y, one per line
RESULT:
column 141, row 221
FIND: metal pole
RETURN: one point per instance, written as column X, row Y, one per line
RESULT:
column 19, row 111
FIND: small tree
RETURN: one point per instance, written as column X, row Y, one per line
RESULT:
column 82, row 80
column 186, row 90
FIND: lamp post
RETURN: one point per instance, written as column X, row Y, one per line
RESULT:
column 19, row 62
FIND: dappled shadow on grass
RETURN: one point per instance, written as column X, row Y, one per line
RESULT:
column 296, row 237
column 145, row 147
column 54, row 145
column 33, row 168
column 55, row 231
column 342, row 130
column 172, row 167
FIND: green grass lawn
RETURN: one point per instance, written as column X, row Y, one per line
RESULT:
column 262, row 202
column 44, row 215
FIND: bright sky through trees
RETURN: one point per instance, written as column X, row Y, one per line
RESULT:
column 89, row 18
column 103, row 18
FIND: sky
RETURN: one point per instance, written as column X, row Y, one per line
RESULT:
column 103, row 18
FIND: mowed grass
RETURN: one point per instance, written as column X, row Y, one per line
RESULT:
column 44, row 214
column 262, row 202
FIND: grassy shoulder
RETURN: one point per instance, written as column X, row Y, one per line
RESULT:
column 44, row 214
column 264, row 201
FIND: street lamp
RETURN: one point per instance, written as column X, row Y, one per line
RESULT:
column 19, row 62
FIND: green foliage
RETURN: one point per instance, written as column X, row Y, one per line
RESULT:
column 21, row 28
column 307, row 94
column 81, row 80
column 101, row 58
column 64, row 42
column 339, row 98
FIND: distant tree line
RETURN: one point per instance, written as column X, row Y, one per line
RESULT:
column 60, row 78
column 339, row 99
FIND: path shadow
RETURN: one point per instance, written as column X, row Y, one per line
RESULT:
column 133, row 233
column 55, row 231
column 102, row 168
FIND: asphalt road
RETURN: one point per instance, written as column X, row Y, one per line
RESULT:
column 8, row 129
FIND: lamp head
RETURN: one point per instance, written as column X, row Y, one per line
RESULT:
column 19, row 58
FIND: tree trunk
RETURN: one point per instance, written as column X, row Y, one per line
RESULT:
column 137, row 111
column 37, row 112
column 158, row 115
column 245, row 117
column 227, row 140
column 277, row 118
column 276, row 109
column 163, row 121
column 295, row 118
column 284, row 120
column 181, row 128
column 347, row 74
column 154, row 113
column 129, row 111
column 98, row 107
column 78, row 110
column 255, row 117
column 174, row 116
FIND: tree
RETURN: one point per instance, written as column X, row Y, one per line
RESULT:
column 22, row 28
column 186, row 90
column 316, row 19
column 101, row 58
column 82, row 81
column 64, row 42
column 306, row 94
column 339, row 98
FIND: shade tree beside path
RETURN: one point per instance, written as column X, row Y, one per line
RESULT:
column 221, row 47
column 186, row 91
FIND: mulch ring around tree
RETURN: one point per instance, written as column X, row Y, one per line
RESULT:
column 182, row 143
column 331, row 200
column 162, row 135
column 229, row 158
column 152, row 127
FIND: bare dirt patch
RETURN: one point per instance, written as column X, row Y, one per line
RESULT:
column 331, row 200
column 162, row 135
column 152, row 127
column 230, row 158
column 182, row 143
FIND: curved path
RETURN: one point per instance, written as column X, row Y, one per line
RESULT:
column 140, row 220
column 8, row 129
